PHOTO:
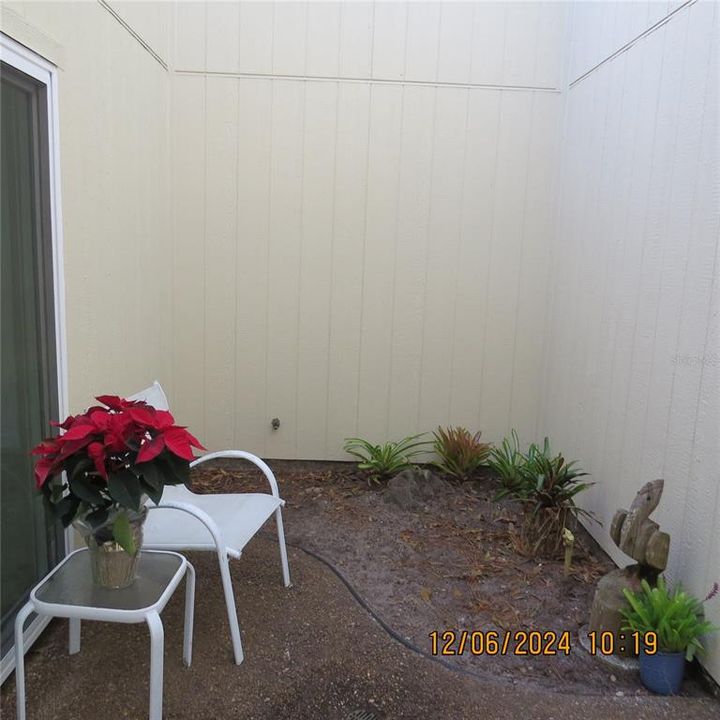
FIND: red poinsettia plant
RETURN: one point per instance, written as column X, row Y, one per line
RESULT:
column 113, row 455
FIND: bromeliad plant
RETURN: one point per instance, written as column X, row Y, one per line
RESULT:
column 506, row 460
column 113, row 455
column 383, row 461
column 547, row 486
column 460, row 453
column 676, row 618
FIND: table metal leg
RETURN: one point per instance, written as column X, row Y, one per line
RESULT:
column 189, row 614
column 74, row 641
column 157, row 642
column 22, row 616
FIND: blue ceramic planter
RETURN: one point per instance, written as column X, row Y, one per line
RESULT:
column 663, row 672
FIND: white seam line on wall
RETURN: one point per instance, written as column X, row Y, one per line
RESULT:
column 268, row 227
column 396, row 238
column 333, row 225
column 372, row 81
column 146, row 46
column 365, row 224
column 428, row 225
column 302, row 245
column 632, row 42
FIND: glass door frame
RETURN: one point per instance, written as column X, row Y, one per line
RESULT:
column 45, row 73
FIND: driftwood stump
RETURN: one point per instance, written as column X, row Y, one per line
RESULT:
column 640, row 538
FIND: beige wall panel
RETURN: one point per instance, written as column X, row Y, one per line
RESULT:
column 389, row 40
column 323, row 39
column 190, row 35
column 188, row 259
column 223, row 37
column 409, row 264
column 256, row 37
column 386, row 106
column 348, row 257
column 150, row 20
column 422, row 33
column 443, row 247
column 505, row 256
column 290, row 38
column 220, row 261
column 284, row 253
column 534, row 271
column 254, row 132
column 321, row 107
column 631, row 363
column 471, row 312
column 455, row 43
column 356, row 39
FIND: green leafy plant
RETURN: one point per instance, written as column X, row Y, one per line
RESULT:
column 384, row 461
column 547, row 486
column 547, row 481
column 506, row 460
column 460, row 453
column 675, row 616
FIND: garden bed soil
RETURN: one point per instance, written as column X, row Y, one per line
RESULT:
column 454, row 563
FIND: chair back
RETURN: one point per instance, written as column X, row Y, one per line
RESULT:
column 153, row 395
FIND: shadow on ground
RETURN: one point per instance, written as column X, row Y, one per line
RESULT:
column 311, row 653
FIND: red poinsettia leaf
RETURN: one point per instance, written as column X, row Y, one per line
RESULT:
column 114, row 402
column 163, row 419
column 79, row 430
column 45, row 468
column 100, row 418
column 144, row 415
column 151, row 449
column 178, row 442
column 49, row 446
column 65, row 424
column 70, row 447
column 194, row 441
column 96, row 451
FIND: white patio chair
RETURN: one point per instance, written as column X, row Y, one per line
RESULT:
column 223, row 523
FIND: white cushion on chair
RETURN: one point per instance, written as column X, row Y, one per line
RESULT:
column 238, row 516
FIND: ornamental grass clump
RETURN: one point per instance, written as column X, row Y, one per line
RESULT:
column 676, row 617
column 381, row 462
column 114, row 455
column 460, row 453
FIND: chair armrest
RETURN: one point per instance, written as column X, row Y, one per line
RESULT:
column 201, row 515
column 254, row 459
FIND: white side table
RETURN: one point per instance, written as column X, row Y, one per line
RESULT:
column 68, row 591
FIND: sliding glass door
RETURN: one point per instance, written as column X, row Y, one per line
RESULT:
column 30, row 542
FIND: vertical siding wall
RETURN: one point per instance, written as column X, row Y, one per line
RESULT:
column 633, row 361
column 114, row 101
column 363, row 204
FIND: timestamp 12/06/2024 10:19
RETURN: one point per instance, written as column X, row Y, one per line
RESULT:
column 536, row 642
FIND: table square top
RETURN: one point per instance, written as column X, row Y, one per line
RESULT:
column 71, row 585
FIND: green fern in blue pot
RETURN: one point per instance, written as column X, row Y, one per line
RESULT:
column 672, row 623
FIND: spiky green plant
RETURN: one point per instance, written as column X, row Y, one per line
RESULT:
column 383, row 461
column 506, row 460
column 547, row 481
column 675, row 616
column 546, row 485
column 460, row 453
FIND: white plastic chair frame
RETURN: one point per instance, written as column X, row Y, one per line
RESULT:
column 224, row 552
column 155, row 396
